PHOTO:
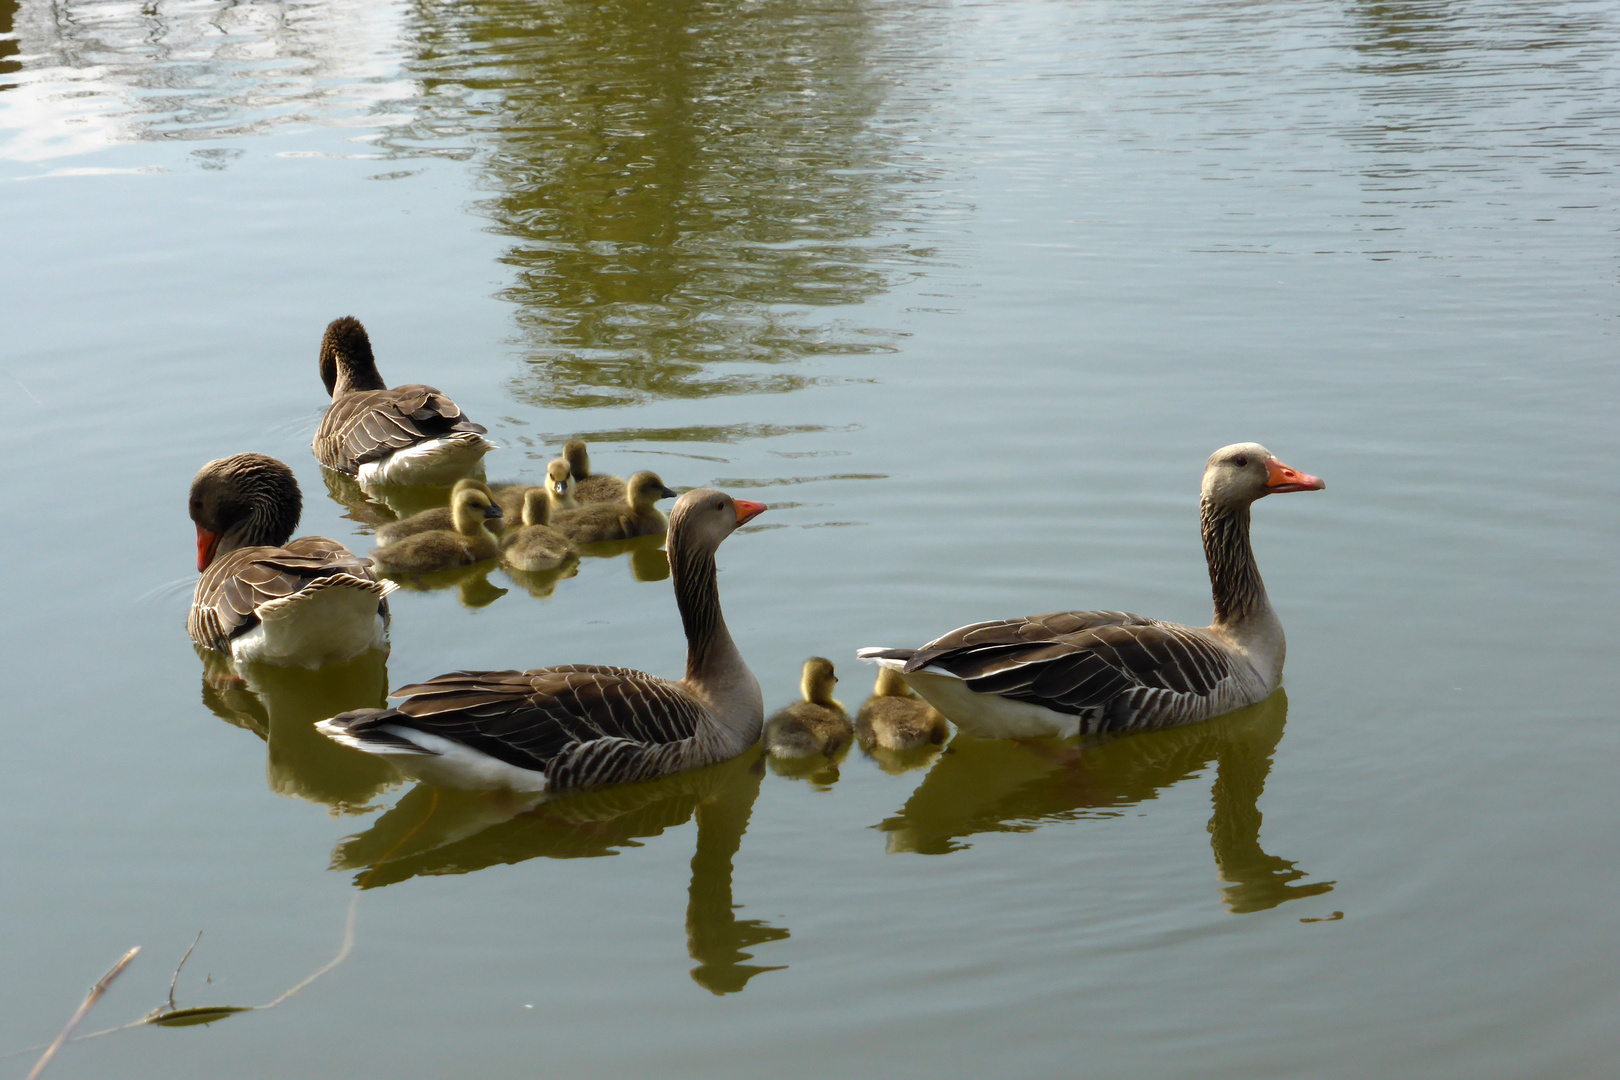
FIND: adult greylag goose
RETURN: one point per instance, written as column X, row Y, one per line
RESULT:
column 564, row 727
column 536, row 546
column 408, row 435
column 590, row 487
column 817, row 725
column 439, row 518
column 893, row 718
column 263, row 597
column 1077, row 672
column 634, row 515
column 442, row 549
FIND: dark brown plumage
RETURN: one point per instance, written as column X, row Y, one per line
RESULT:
column 578, row 725
column 411, row 434
column 245, row 508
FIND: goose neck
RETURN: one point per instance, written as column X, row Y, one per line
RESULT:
column 1240, row 595
column 714, row 668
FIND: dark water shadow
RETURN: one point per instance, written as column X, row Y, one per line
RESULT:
column 1008, row 786
column 436, row 831
column 281, row 706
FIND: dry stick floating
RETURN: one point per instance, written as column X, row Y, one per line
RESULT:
column 90, row 999
column 207, row 1014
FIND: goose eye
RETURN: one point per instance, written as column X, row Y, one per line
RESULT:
column 1241, row 461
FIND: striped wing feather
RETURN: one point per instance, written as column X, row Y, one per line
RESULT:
column 366, row 425
column 578, row 724
column 1119, row 671
column 236, row 584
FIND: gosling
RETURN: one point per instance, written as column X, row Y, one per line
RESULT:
column 634, row 515
column 470, row 541
column 894, row 718
column 428, row 520
column 536, row 546
column 818, row 725
column 589, row 487
column 560, row 486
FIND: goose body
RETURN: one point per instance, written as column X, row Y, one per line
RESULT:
column 552, row 729
column 263, row 597
column 635, row 515
column 536, row 546
column 1076, row 672
column 894, row 718
column 590, row 487
column 470, row 541
column 408, row 435
column 816, row 725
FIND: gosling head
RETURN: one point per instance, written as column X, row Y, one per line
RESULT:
column 644, row 489
column 890, row 684
column 472, row 509
column 560, row 484
column 577, row 457
column 536, row 507
column 1239, row 474
column 817, row 682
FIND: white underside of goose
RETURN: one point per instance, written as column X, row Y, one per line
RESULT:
column 435, row 462
column 332, row 621
column 442, row 761
column 988, row 716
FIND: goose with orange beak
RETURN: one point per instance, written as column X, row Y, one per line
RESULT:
column 1077, row 672
column 582, row 725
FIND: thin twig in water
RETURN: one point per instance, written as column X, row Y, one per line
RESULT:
column 90, row 999
column 180, row 965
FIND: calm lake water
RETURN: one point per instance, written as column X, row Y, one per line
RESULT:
column 966, row 293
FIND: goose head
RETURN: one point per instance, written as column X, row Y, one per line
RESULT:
column 470, row 508
column 560, row 483
column 701, row 519
column 817, row 682
column 644, row 489
column 536, row 507
column 1239, row 474
column 577, row 457
column 243, row 501
column 347, row 363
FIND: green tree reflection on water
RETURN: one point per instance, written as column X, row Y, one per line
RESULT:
column 692, row 191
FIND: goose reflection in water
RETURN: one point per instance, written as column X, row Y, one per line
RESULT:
column 1004, row 785
column 281, row 705
column 433, row 831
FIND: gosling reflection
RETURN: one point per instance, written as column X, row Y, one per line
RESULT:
column 434, row 831
column 648, row 560
column 281, row 705
column 472, row 584
column 1003, row 785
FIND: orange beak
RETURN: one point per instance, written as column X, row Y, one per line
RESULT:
column 1280, row 477
column 207, row 543
column 748, row 511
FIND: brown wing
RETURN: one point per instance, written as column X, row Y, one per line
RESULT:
column 369, row 424
column 234, row 586
column 1115, row 670
column 577, row 724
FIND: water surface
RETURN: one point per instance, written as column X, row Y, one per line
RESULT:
column 965, row 293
